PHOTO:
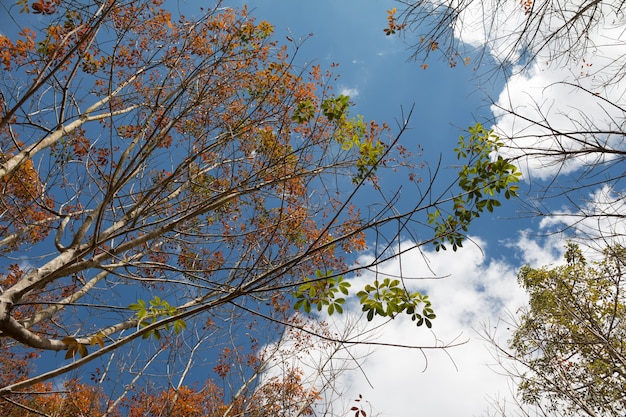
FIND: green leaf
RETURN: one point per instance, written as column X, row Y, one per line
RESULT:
column 298, row 305
column 481, row 176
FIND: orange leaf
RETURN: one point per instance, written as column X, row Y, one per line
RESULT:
column 96, row 339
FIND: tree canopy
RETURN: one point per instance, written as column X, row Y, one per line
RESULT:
column 567, row 349
column 176, row 184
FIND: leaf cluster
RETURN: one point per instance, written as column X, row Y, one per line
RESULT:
column 392, row 26
column 388, row 298
column 305, row 111
column 150, row 313
column 74, row 346
column 336, row 108
column 358, row 409
column 333, row 108
column 482, row 181
column 322, row 291
column 350, row 132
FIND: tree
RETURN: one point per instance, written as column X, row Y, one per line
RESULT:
column 182, row 180
column 560, row 117
column 512, row 33
column 561, row 113
column 569, row 344
column 271, row 381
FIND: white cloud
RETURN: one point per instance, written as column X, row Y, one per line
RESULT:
column 539, row 98
column 350, row 92
column 477, row 28
column 565, row 93
column 498, row 25
column 467, row 293
column 598, row 219
column 540, row 101
column 537, row 252
column 409, row 382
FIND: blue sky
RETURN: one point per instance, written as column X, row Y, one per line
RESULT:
column 375, row 72
column 350, row 33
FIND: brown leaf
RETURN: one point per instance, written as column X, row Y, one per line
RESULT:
column 82, row 350
column 69, row 340
column 71, row 351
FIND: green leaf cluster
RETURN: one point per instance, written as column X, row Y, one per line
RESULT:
column 388, row 298
column 150, row 313
column 336, row 108
column 305, row 111
column 482, row 181
column 333, row 108
column 351, row 132
column 322, row 291
column 370, row 155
